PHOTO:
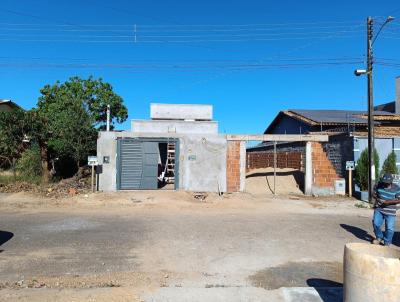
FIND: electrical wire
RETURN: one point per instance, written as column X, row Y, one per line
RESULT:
column 177, row 66
column 74, row 40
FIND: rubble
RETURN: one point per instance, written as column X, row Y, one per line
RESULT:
column 64, row 188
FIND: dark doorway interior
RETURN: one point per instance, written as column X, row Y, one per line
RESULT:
column 166, row 166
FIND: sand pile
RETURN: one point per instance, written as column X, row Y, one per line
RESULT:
column 261, row 181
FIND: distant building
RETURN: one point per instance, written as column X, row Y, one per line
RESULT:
column 8, row 105
column 347, row 130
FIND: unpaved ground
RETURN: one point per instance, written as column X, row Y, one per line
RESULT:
column 170, row 246
column 287, row 181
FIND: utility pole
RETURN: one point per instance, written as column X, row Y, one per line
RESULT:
column 371, row 147
column 370, row 61
column 108, row 118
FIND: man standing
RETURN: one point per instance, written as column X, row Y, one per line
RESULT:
column 387, row 198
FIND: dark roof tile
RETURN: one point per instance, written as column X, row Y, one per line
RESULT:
column 335, row 116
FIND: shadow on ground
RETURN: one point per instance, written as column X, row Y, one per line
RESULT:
column 297, row 175
column 299, row 274
column 4, row 237
column 364, row 235
column 325, row 277
column 328, row 290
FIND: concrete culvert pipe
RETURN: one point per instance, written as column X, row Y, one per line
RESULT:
column 371, row 273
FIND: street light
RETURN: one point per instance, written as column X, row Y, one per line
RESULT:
column 359, row 72
column 370, row 41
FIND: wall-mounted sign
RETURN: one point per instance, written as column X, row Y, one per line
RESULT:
column 92, row 161
column 192, row 157
column 349, row 165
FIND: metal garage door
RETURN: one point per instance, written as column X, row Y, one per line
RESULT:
column 137, row 164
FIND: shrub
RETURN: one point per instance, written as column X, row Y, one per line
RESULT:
column 361, row 172
column 389, row 166
column 29, row 165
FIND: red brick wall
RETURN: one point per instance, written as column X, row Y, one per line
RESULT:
column 324, row 174
column 233, row 166
column 262, row 159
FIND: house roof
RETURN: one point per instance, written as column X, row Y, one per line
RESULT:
column 336, row 116
column 9, row 104
column 314, row 117
column 389, row 107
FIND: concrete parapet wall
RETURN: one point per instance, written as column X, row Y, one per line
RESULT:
column 182, row 127
column 181, row 112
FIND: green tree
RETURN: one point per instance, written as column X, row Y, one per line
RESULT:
column 29, row 165
column 361, row 171
column 93, row 94
column 14, row 129
column 70, row 114
column 389, row 165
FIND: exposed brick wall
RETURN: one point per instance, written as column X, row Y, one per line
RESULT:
column 324, row 173
column 233, row 166
column 265, row 159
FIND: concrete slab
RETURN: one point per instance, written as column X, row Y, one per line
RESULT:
column 181, row 112
column 166, row 126
column 239, row 294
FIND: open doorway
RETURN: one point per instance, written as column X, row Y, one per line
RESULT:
column 147, row 164
column 286, row 178
column 166, row 165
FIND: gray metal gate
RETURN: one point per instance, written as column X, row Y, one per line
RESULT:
column 137, row 164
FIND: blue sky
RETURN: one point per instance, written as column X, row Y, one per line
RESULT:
column 46, row 41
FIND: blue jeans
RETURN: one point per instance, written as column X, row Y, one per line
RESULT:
column 390, row 222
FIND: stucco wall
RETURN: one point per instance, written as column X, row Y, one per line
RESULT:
column 202, row 163
column 202, row 160
column 107, row 146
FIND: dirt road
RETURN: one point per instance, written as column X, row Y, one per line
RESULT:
column 170, row 246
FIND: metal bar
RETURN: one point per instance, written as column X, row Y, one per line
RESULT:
column 93, row 178
column 274, row 168
column 108, row 118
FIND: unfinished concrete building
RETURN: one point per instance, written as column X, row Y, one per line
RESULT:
column 178, row 148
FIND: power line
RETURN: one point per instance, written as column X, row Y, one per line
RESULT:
column 176, row 36
column 72, row 40
column 139, row 28
column 175, row 66
column 192, row 26
column 301, row 47
column 296, row 59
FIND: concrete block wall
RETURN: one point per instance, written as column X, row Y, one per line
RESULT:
column 324, row 173
column 339, row 149
column 233, row 169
